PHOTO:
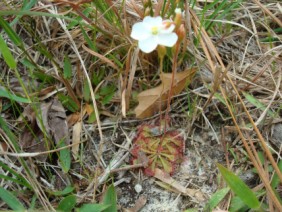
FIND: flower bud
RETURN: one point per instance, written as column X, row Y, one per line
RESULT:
column 147, row 12
column 177, row 18
column 146, row 3
column 181, row 32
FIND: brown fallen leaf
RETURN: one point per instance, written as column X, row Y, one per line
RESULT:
column 45, row 122
column 139, row 204
column 76, row 131
column 151, row 100
column 32, row 138
column 57, row 122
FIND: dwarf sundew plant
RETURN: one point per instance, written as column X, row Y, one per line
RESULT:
column 164, row 151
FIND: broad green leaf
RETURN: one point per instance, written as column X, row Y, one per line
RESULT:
column 93, row 207
column 110, row 198
column 107, row 90
column 86, row 91
column 65, row 157
column 239, row 188
column 68, row 102
column 92, row 118
column 66, row 190
column 11, row 200
column 237, row 205
column 67, row 68
column 192, row 210
column 7, row 94
column 275, row 180
column 67, row 204
column 7, row 55
column 216, row 198
column 257, row 103
column 107, row 99
column 98, row 77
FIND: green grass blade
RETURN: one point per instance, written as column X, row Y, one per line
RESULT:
column 11, row 200
column 18, row 178
column 26, row 6
column 90, row 43
column 110, row 198
column 257, row 103
column 66, row 190
column 7, row 55
column 67, row 204
column 40, row 14
column 10, row 32
column 7, row 94
column 239, row 188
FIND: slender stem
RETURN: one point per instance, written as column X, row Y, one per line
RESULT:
column 161, row 57
column 174, row 66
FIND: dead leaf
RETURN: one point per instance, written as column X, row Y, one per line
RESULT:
column 139, row 204
column 151, row 100
column 89, row 109
column 166, row 178
column 57, row 122
column 45, row 121
column 42, row 117
column 32, row 138
column 76, row 131
column 73, row 118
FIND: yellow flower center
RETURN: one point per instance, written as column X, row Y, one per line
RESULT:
column 155, row 30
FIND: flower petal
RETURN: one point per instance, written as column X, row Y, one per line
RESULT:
column 167, row 39
column 153, row 21
column 140, row 31
column 148, row 45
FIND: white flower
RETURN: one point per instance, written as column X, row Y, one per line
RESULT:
column 153, row 31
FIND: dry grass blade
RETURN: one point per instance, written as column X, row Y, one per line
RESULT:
column 210, row 50
column 133, row 67
column 101, row 57
column 279, row 22
column 164, row 177
column 35, row 154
